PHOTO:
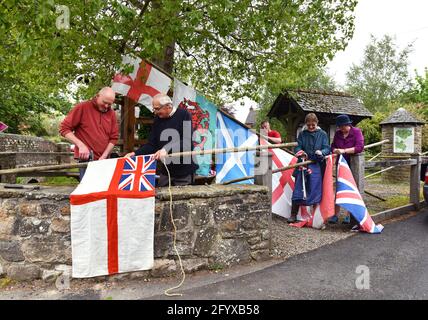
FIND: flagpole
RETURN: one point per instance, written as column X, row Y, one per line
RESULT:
column 172, row 155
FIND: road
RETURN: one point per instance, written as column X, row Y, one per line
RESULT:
column 396, row 261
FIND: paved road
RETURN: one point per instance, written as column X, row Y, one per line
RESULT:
column 397, row 260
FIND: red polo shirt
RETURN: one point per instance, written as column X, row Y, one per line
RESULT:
column 93, row 127
column 274, row 134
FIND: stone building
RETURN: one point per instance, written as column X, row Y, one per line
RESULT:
column 404, row 131
column 292, row 106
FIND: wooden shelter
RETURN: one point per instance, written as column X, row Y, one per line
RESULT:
column 292, row 106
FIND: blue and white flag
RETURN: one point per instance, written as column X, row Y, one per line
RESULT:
column 234, row 165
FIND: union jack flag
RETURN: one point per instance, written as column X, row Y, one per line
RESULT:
column 348, row 197
column 138, row 174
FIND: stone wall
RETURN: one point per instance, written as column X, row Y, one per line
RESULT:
column 21, row 143
column 402, row 172
column 217, row 226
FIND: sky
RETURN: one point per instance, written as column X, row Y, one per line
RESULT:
column 406, row 20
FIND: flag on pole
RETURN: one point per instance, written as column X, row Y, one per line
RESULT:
column 3, row 126
column 282, row 182
column 234, row 165
column 348, row 197
column 203, row 114
column 143, row 83
column 112, row 217
column 316, row 216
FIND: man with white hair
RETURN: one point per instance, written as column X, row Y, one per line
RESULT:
column 92, row 127
column 171, row 132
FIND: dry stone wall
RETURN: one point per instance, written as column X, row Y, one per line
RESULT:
column 217, row 226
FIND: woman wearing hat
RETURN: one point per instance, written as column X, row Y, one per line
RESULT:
column 347, row 140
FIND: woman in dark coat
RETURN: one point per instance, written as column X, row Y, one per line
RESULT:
column 313, row 145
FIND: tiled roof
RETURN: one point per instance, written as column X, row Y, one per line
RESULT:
column 329, row 102
column 402, row 116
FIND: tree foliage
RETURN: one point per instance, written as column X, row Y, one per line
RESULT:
column 382, row 76
column 222, row 47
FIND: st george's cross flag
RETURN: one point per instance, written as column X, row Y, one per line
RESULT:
column 282, row 182
column 112, row 217
column 234, row 165
column 143, row 83
column 348, row 197
column 316, row 216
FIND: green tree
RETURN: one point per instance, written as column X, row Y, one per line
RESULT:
column 226, row 48
column 419, row 92
column 372, row 131
column 382, row 76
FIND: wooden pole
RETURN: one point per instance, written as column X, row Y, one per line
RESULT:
column 177, row 154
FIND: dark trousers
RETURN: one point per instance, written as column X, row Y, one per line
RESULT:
column 175, row 181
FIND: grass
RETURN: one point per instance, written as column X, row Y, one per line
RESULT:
column 216, row 267
column 397, row 201
column 5, row 282
column 60, row 181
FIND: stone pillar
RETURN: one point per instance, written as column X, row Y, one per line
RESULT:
column 357, row 166
column 415, row 186
column 63, row 147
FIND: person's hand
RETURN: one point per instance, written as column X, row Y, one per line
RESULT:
column 318, row 153
column 102, row 157
column 83, row 152
column 161, row 154
column 339, row 151
column 301, row 154
column 131, row 154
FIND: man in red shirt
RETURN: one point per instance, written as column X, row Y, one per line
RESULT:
column 91, row 125
column 274, row 136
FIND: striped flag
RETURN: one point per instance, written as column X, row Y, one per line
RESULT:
column 317, row 216
column 282, row 182
column 234, row 165
column 348, row 197
column 143, row 83
column 112, row 217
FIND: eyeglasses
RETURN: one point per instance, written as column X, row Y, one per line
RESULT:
column 158, row 108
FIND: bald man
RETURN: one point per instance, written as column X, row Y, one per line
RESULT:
column 92, row 127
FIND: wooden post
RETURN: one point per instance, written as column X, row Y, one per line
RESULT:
column 415, row 186
column 128, row 116
column 263, row 177
column 357, row 168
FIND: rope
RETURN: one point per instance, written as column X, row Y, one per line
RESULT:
column 166, row 292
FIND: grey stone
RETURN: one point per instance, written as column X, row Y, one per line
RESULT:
column 2, row 272
column 200, row 214
column 50, row 276
column 162, row 243
column 180, row 213
column 22, row 272
column 260, row 255
column 163, row 267
column 139, row 275
column 261, row 245
column 265, row 235
column 8, row 207
column 232, row 251
column 11, row 251
column 60, row 225
column 47, row 250
column 31, row 226
column 192, row 265
column 63, row 268
column 49, row 209
column 205, row 241
column 253, row 240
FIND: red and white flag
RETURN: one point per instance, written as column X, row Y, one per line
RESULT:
column 112, row 217
column 282, row 182
column 316, row 217
column 143, row 83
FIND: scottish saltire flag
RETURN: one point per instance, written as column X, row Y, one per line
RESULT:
column 234, row 165
column 112, row 217
column 203, row 114
column 348, row 197
column 316, row 216
column 282, row 182
column 143, row 83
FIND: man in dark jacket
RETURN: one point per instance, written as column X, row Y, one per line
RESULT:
column 171, row 133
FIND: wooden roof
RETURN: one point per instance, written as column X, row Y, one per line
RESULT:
column 319, row 102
